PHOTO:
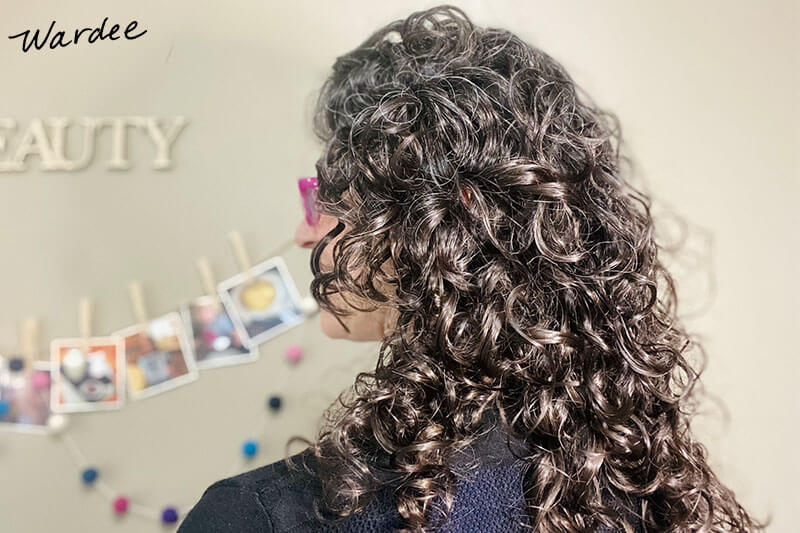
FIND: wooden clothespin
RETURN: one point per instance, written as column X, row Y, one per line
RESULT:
column 29, row 342
column 85, row 323
column 240, row 252
column 207, row 277
column 137, row 299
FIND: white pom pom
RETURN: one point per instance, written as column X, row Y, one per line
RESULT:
column 309, row 305
column 56, row 424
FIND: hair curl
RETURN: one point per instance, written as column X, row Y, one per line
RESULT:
column 475, row 183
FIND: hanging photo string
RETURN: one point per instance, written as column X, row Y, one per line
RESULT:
column 93, row 370
column 90, row 474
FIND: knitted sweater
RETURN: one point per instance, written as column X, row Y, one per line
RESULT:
column 275, row 499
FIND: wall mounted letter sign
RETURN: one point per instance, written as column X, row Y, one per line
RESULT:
column 47, row 139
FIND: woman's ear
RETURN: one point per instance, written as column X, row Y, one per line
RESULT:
column 466, row 195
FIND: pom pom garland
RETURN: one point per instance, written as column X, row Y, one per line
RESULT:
column 89, row 475
column 74, row 366
column 169, row 515
column 294, row 353
column 274, row 403
column 250, row 448
column 120, row 505
column 56, row 424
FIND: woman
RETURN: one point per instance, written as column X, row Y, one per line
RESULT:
column 476, row 222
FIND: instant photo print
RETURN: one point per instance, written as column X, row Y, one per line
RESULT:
column 158, row 356
column 89, row 375
column 26, row 393
column 263, row 303
column 216, row 340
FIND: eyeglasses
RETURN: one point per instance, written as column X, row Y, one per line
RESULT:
column 308, row 195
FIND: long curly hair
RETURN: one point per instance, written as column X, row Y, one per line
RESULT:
column 480, row 197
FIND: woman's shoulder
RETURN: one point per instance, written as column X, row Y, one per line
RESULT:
column 278, row 497
column 262, row 500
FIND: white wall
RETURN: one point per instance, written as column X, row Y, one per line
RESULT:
column 705, row 92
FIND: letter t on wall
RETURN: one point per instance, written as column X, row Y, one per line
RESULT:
column 119, row 140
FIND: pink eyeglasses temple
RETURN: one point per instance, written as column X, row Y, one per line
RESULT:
column 308, row 193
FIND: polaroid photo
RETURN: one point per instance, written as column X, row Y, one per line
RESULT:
column 264, row 305
column 158, row 356
column 27, row 394
column 87, row 377
column 216, row 341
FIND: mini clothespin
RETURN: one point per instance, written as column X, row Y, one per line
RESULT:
column 207, row 277
column 242, row 257
column 85, row 323
column 257, row 293
column 29, row 343
column 137, row 300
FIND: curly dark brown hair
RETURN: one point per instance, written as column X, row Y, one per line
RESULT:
column 482, row 198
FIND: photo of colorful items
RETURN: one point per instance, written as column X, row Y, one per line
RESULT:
column 262, row 300
column 24, row 394
column 216, row 341
column 24, row 406
column 264, row 305
column 90, row 374
column 158, row 356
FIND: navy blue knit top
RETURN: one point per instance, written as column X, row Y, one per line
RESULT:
column 274, row 498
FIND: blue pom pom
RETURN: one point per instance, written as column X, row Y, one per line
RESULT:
column 89, row 475
column 274, row 402
column 250, row 448
column 4, row 407
column 16, row 364
column 169, row 515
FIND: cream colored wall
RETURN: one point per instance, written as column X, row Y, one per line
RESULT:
column 705, row 93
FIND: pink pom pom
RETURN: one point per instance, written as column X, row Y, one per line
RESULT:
column 121, row 505
column 41, row 380
column 294, row 353
column 208, row 337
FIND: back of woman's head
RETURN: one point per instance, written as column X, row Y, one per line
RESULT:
column 484, row 202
